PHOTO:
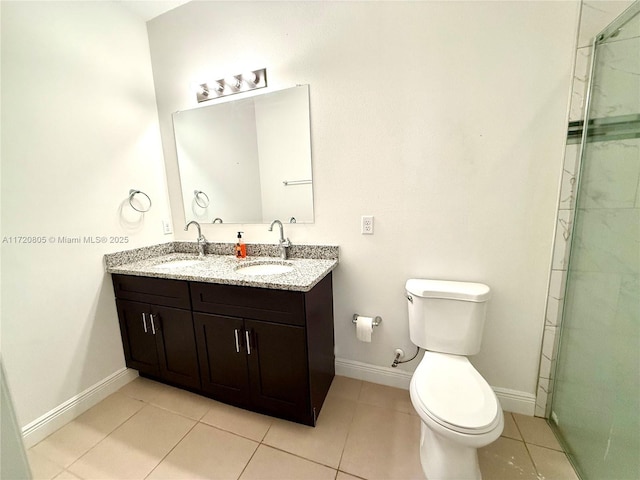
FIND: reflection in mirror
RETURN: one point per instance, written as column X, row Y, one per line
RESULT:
column 248, row 160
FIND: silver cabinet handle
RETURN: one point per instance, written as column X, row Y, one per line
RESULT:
column 153, row 327
column 235, row 332
column 144, row 323
column 246, row 335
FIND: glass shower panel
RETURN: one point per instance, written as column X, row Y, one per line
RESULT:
column 596, row 404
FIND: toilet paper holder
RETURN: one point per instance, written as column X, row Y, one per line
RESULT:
column 376, row 321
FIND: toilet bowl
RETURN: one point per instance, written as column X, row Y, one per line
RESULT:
column 460, row 413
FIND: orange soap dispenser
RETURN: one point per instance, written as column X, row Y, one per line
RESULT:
column 241, row 248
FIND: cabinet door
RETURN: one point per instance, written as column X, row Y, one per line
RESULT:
column 137, row 337
column 278, row 369
column 176, row 344
column 222, row 357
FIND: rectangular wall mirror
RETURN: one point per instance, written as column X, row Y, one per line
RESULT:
column 247, row 160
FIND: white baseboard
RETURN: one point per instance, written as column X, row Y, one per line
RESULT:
column 391, row 377
column 516, row 401
column 510, row 400
column 51, row 421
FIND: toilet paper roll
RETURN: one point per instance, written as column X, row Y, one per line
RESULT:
column 364, row 327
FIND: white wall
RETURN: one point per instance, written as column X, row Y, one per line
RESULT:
column 79, row 129
column 444, row 120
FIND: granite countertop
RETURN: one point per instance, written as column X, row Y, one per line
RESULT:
column 212, row 268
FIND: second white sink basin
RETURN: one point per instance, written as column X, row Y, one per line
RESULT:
column 177, row 264
column 264, row 269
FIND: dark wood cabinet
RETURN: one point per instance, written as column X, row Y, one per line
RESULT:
column 278, row 369
column 251, row 362
column 158, row 338
column 267, row 350
column 160, row 342
column 223, row 359
column 140, row 344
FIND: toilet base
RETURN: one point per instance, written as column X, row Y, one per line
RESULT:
column 443, row 459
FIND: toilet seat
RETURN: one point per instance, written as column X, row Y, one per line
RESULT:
column 451, row 392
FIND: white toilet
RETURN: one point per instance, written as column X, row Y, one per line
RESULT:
column 460, row 412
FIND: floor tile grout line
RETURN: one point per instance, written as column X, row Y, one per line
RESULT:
column 526, row 446
column 38, row 454
column 146, row 404
column 248, row 461
column 351, row 474
column 67, row 468
column 172, row 449
column 75, row 419
column 513, row 417
column 103, row 439
column 533, row 462
column 298, row 456
column 538, row 444
column 346, row 440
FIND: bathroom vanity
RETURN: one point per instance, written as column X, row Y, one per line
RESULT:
column 264, row 343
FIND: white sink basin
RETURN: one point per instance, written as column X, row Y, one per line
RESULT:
column 264, row 269
column 177, row 264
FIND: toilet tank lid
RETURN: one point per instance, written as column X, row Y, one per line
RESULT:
column 447, row 289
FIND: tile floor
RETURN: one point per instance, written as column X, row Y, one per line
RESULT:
column 149, row 430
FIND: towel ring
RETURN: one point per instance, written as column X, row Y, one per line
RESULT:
column 133, row 193
column 199, row 193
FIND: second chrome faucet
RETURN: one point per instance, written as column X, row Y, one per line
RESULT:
column 284, row 243
column 201, row 240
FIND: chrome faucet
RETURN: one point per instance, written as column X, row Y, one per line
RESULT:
column 284, row 243
column 201, row 240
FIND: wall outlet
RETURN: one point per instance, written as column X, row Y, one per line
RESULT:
column 166, row 227
column 366, row 225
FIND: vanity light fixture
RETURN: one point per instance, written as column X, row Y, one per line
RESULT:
column 233, row 84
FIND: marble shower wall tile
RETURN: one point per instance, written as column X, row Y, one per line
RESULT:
column 549, row 351
column 597, row 230
column 555, row 300
column 542, row 397
column 568, row 188
column 592, row 299
column 580, row 83
column 619, row 67
column 626, row 319
column 611, row 174
column 562, row 240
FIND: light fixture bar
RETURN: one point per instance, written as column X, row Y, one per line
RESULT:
column 231, row 85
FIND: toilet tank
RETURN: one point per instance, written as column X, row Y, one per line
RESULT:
column 447, row 316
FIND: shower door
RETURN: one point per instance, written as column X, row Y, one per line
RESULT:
column 596, row 402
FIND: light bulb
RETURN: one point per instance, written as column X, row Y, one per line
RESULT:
column 233, row 82
column 250, row 77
